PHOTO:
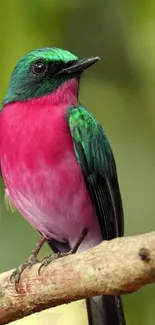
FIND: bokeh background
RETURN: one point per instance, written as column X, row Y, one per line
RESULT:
column 119, row 90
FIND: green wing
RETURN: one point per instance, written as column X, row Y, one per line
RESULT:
column 96, row 159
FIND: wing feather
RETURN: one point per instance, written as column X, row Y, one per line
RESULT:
column 97, row 162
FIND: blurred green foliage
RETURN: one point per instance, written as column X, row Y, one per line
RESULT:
column 119, row 90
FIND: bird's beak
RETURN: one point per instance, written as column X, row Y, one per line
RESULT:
column 78, row 66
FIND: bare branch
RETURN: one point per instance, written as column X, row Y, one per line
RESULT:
column 119, row 266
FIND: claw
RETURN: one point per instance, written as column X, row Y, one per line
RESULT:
column 47, row 260
column 15, row 277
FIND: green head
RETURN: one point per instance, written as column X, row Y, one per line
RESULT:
column 42, row 71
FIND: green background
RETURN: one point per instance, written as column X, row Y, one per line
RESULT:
column 119, row 90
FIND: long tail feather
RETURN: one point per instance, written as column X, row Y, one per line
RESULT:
column 105, row 310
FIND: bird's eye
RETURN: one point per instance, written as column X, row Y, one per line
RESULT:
column 39, row 67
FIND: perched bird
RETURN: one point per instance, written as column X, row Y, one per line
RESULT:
column 57, row 164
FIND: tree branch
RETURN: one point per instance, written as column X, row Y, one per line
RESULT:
column 115, row 267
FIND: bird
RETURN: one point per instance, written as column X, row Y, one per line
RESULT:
column 58, row 166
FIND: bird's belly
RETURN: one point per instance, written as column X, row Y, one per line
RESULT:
column 54, row 200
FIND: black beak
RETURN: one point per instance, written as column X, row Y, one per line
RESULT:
column 77, row 66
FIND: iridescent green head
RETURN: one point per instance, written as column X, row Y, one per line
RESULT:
column 42, row 71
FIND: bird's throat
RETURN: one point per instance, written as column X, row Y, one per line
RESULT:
column 65, row 95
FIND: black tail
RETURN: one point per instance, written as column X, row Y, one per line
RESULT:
column 105, row 310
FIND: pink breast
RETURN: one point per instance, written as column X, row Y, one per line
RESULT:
column 41, row 172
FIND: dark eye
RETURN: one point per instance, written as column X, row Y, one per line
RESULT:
column 39, row 67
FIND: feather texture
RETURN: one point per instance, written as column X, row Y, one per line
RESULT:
column 96, row 160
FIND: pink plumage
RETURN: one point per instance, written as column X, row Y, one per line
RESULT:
column 40, row 169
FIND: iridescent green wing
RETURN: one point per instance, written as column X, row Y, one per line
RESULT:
column 96, row 160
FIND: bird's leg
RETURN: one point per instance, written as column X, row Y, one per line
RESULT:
column 79, row 241
column 49, row 258
column 15, row 277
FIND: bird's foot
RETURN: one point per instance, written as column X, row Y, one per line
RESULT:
column 15, row 277
column 49, row 258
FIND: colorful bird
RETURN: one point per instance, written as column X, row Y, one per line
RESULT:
column 58, row 166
